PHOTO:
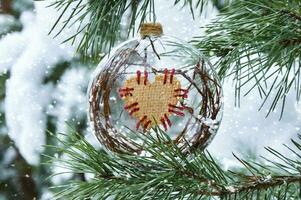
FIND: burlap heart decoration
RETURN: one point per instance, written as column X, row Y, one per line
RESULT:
column 153, row 103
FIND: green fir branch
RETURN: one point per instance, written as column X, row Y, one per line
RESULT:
column 258, row 41
column 198, row 6
column 164, row 172
column 195, row 6
column 98, row 22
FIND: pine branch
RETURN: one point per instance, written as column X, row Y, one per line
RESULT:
column 164, row 172
column 98, row 23
column 258, row 41
column 198, row 5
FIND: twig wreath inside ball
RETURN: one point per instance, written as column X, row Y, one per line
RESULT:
column 154, row 82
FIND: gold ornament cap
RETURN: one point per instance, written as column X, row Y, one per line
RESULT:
column 151, row 29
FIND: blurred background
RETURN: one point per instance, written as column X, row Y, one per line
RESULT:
column 43, row 85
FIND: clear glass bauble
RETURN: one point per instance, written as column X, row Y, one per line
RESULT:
column 155, row 82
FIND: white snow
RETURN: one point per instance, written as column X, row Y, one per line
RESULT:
column 11, row 46
column 70, row 97
column 26, row 96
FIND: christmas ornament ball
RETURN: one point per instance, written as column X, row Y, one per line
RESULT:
column 152, row 82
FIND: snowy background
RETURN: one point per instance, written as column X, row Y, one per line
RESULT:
column 43, row 84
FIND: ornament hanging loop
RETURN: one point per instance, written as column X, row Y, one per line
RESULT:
column 151, row 29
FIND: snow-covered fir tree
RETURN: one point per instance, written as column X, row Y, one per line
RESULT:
column 44, row 81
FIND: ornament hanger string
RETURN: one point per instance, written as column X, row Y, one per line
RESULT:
column 148, row 29
column 151, row 29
